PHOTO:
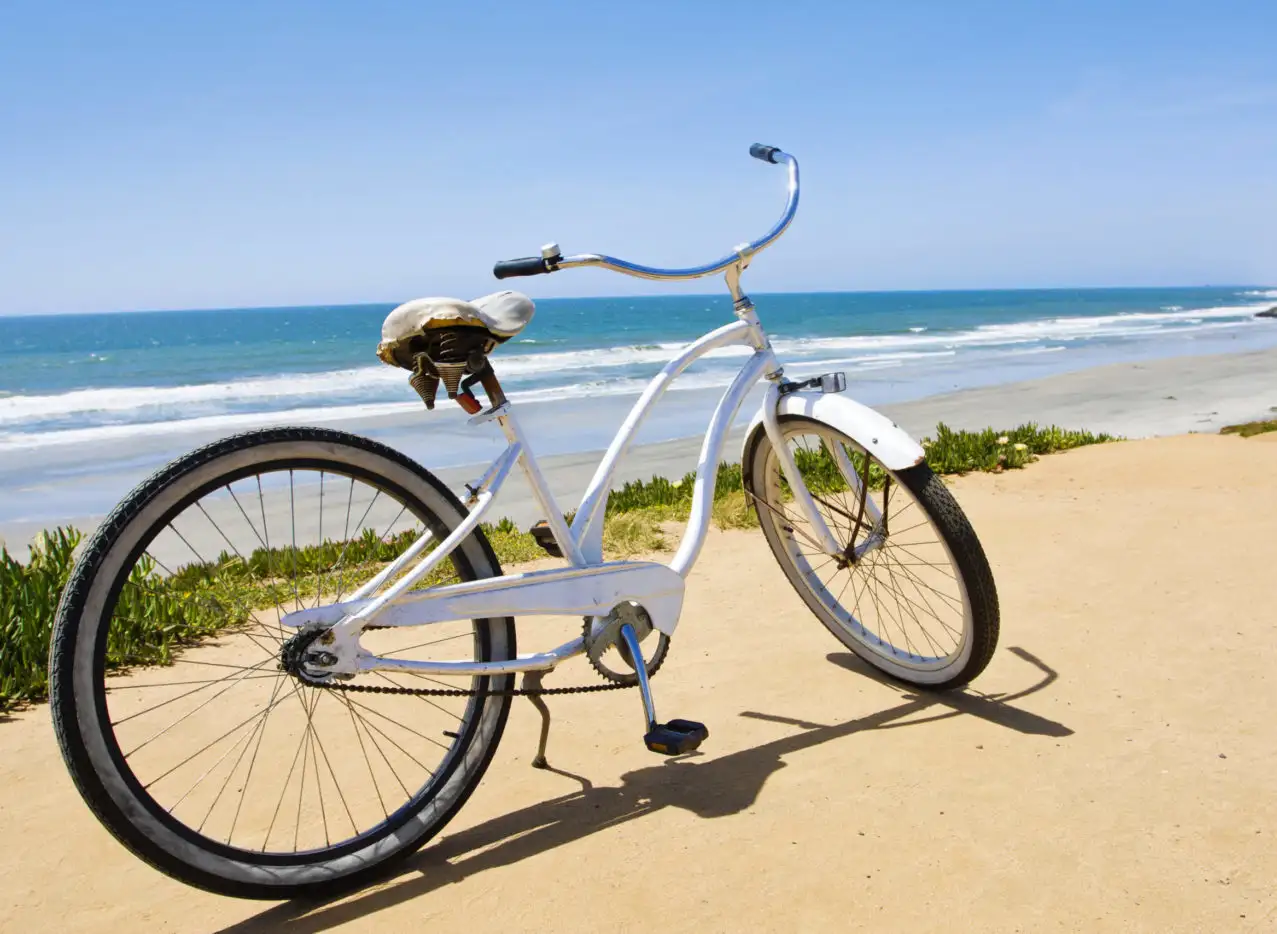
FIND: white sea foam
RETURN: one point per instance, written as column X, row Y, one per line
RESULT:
column 17, row 409
column 557, row 374
column 1047, row 329
column 1261, row 293
column 1031, row 351
column 211, row 423
column 217, row 424
column 226, row 423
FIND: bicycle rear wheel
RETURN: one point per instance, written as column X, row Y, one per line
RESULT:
column 912, row 594
column 174, row 717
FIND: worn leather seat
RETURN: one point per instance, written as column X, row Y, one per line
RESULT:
column 502, row 314
column 404, row 332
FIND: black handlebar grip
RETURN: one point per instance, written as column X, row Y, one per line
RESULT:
column 766, row 153
column 526, row 266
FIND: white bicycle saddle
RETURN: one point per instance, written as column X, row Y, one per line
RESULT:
column 502, row 314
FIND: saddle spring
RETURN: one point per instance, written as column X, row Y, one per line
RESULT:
column 449, row 355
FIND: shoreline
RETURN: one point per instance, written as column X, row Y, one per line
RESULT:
column 1167, row 396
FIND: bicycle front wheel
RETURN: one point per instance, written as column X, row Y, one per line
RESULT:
column 912, row 592
column 179, row 727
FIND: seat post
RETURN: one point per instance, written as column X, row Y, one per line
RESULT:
column 492, row 387
column 487, row 378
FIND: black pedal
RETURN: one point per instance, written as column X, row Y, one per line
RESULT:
column 676, row 737
column 545, row 538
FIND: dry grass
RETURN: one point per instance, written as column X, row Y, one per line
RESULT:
column 1248, row 429
column 633, row 533
column 735, row 511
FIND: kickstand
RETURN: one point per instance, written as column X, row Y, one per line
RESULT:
column 532, row 681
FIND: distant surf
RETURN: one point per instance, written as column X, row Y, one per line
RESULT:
column 90, row 378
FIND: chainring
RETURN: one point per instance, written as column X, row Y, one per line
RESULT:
column 599, row 641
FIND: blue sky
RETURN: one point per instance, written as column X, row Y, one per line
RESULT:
column 169, row 155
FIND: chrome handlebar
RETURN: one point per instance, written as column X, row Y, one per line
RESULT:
column 551, row 260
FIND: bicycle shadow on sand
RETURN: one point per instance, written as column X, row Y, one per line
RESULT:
column 708, row 788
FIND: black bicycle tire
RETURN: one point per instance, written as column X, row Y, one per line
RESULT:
column 954, row 527
column 65, row 704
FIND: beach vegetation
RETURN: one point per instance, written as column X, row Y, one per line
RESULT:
column 1250, row 429
column 162, row 611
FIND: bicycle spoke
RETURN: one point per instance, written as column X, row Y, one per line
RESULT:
column 282, row 792
column 319, row 590
column 170, row 684
column 345, row 537
column 919, row 586
column 369, row 725
column 220, row 759
column 346, row 547
column 270, row 557
column 220, row 609
column 902, row 608
column 943, row 569
column 354, row 828
column 301, row 791
column 178, row 533
column 319, row 789
column 371, row 775
column 896, row 533
column 420, row 697
column 935, row 615
column 939, row 653
column 249, row 777
column 292, row 519
column 398, row 516
column 401, row 726
column 921, row 583
column 245, row 515
column 878, row 611
column 422, row 645
column 257, row 728
column 200, row 506
column 900, row 614
column 368, row 728
column 223, row 680
column 207, row 746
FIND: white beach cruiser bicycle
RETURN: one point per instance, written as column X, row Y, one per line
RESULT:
column 286, row 659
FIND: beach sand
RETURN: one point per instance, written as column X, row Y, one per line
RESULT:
column 1149, row 398
column 1111, row 771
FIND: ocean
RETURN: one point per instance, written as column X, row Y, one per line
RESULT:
column 111, row 376
column 79, row 390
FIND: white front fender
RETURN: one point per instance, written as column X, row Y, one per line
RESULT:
column 873, row 431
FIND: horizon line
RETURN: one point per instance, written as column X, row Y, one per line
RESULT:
column 589, row 298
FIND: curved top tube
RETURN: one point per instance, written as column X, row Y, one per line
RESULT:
column 551, row 261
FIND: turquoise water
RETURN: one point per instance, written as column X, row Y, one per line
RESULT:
column 110, row 377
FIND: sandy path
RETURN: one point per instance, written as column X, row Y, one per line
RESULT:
column 1111, row 771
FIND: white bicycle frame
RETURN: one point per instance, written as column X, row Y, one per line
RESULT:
column 590, row 586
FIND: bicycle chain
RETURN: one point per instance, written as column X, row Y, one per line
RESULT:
column 465, row 692
column 295, row 648
column 299, row 644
